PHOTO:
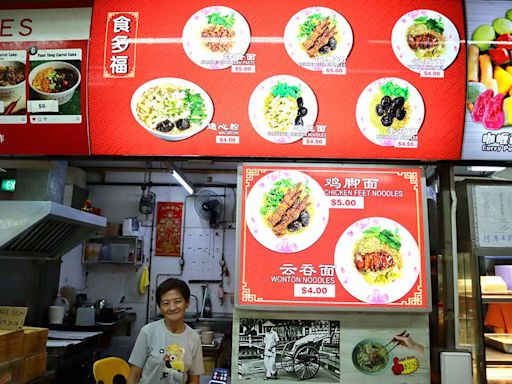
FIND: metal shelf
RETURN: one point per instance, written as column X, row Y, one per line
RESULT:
column 100, row 250
column 493, row 356
column 488, row 298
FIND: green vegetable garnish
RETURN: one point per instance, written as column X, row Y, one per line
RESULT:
column 307, row 28
column 216, row 18
column 285, row 90
column 385, row 235
column 393, row 90
column 272, row 198
column 196, row 107
column 434, row 24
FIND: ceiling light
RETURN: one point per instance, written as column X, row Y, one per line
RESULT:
column 485, row 169
column 2, row 170
column 182, row 181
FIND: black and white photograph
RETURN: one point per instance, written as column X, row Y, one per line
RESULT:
column 272, row 349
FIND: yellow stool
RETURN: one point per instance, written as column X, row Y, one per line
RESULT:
column 105, row 370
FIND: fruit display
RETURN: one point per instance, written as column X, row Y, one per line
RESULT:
column 489, row 74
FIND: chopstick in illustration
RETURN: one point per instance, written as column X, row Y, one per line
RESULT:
column 403, row 333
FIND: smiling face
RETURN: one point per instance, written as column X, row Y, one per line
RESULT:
column 173, row 306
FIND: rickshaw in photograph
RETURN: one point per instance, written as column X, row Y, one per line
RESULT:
column 302, row 356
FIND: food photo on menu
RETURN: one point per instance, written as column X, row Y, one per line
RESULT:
column 377, row 357
column 171, row 109
column 216, row 37
column 390, row 111
column 283, row 109
column 377, row 260
column 425, row 40
column 488, row 119
column 57, row 82
column 12, row 85
column 377, row 351
column 317, row 38
column 489, row 73
column 286, row 211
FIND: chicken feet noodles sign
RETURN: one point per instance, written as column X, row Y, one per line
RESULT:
column 326, row 237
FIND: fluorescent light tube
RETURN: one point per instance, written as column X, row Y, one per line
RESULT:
column 485, row 169
column 182, row 181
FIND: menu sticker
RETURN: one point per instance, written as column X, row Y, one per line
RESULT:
column 13, row 98
column 327, row 237
column 55, row 80
column 246, row 64
column 396, row 353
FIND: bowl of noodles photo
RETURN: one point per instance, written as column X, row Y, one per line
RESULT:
column 390, row 112
column 370, row 357
column 378, row 260
column 283, row 109
column 286, row 211
column 54, row 80
column 172, row 109
column 425, row 39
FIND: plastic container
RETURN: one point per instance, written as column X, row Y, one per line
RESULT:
column 56, row 314
column 505, row 271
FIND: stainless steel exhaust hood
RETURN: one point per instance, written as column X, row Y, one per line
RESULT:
column 43, row 229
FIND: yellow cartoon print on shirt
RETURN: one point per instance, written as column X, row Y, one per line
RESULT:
column 174, row 365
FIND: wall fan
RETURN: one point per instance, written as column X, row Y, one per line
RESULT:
column 209, row 207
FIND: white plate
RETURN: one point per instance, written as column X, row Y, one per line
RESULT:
column 202, row 55
column 257, row 110
column 291, row 242
column 179, row 135
column 406, row 55
column 354, row 282
column 371, row 132
column 293, row 43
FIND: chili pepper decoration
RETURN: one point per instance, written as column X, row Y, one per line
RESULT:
column 11, row 106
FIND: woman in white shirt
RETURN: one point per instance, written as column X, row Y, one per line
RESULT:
column 168, row 351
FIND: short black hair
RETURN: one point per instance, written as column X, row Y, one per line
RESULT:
column 172, row 284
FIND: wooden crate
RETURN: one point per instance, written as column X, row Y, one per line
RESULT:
column 11, row 345
column 34, row 340
column 33, row 367
column 10, row 371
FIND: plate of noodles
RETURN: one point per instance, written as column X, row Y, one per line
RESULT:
column 283, row 109
column 425, row 39
column 286, row 211
column 171, row 108
column 377, row 260
column 390, row 111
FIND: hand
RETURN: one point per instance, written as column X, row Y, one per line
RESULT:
column 408, row 342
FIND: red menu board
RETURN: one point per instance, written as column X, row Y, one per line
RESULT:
column 273, row 79
column 332, row 237
column 43, row 87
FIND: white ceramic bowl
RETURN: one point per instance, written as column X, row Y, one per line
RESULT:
column 61, row 97
column 173, row 136
column 12, row 92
